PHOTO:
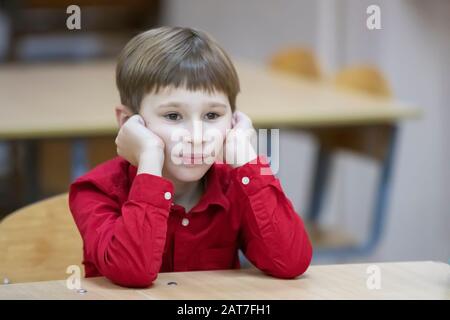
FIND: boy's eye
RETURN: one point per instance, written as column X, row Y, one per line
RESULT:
column 173, row 116
column 212, row 115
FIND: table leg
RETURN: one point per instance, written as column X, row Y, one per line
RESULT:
column 321, row 173
column 79, row 158
column 30, row 178
column 379, row 209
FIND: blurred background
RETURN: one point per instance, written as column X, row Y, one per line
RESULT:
column 391, row 204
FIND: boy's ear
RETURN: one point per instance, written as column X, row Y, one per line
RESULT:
column 122, row 114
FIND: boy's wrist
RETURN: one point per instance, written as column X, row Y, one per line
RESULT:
column 151, row 162
column 246, row 155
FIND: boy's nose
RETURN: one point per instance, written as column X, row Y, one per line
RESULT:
column 194, row 144
column 196, row 133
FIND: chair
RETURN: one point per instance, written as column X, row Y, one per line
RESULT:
column 38, row 242
column 296, row 61
column 365, row 79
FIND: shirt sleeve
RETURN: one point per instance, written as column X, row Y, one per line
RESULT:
column 125, row 242
column 272, row 234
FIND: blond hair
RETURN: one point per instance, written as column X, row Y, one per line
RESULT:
column 174, row 56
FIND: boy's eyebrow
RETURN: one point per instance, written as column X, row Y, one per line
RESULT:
column 170, row 104
column 178, row 105
column 217, row 104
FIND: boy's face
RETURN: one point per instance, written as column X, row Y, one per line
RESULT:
column 190, row 123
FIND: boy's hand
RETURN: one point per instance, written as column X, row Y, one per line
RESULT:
column 238, row 143
column 140, row 146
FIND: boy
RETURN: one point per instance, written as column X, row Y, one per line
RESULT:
column 160, row 206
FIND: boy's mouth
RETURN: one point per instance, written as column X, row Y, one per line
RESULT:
column 193, row 158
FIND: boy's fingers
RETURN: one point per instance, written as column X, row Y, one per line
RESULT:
column 137, row 118
column 142, row 121
column 243, row 116
column 236, row 118
column 243, row 120
column 239, row 116
column 132, row 119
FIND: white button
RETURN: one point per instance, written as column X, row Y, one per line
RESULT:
column 185, row 222
column 245, row 180
column 167, row 195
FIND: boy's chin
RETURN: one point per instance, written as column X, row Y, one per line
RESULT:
column 190, row 173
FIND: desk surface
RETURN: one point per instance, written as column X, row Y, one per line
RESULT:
column 77, row 99
column 404, row 280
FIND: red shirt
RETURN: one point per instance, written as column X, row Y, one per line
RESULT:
column 132, row 230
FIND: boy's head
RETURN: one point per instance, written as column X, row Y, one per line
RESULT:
column 181, row 82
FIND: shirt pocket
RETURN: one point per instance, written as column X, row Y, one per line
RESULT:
column 218, row 258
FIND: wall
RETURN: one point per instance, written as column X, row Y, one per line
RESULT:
column 412, row 50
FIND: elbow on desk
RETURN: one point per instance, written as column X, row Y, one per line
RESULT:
column 290, row 271
column 290, row 267
column 131, row 278
column 135, row 281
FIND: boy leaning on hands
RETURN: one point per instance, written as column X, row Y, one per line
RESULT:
column 145, row 150
column 187, row 189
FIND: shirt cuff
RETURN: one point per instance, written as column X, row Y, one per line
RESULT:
column 152, row 189
column 254, row 175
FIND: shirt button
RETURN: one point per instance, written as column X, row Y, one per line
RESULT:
column 167, row 195
column 185, row 222
column 245, row 180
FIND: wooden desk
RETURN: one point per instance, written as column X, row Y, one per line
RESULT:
column 77, row 99
column 406, row 280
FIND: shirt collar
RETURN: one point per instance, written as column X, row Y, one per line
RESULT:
column 213, row 193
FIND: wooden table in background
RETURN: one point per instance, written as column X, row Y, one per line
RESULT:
column 402, row 280
column 76, row 101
